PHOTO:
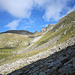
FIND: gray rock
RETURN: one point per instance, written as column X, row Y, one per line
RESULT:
column 42, row 73
column 49, row 70
column 27, row 71
column 34, row 73
column 17, row 72
column 30, row 72
column 69, row 65
column 68, row 62
column 41, row 66
column 64, row 70
column 49, row 61
column 74, row 63
column 54, row 73
column 69, row 51
column 36, row 68
column 46, row 63
column 37, row 72
column 51, row 64
column 33, row 66
column 57, row 63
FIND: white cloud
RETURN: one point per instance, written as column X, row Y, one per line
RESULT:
column 13, row 25
column 23, row 8
column 18, row 8
column 42, row 2
column 53, row 8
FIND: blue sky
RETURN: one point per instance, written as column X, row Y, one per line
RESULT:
column 32, row 15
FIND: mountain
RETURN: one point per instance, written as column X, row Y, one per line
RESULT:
column 23, row 32
column 48, row 52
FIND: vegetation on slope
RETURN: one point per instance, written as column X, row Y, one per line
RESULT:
column 11, row 43
column 68, row 30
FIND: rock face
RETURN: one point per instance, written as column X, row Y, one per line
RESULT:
column 59, row 63
column 44, row 29
column 50, row 26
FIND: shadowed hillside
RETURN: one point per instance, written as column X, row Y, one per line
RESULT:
column 59, row 63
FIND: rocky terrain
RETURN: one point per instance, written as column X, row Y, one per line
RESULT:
column 56, row 62
column 48, row 52
column 59, row 63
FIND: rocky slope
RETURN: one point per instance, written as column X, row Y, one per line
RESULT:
column 53, row 60
column 59, row 63
column 44, row 29
column 56, row 45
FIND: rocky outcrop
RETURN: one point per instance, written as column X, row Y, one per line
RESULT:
column 50, row 26
column 44, row 29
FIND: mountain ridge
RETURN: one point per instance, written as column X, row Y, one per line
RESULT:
column 23, row 32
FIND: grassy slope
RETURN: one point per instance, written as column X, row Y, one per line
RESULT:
column 10, row 43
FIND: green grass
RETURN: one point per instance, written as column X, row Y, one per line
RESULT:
column 12, row 40
column 69, row 33
column 4, row 55
column 5, row 50
column 18, row 42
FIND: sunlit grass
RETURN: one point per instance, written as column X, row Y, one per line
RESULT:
column 4, row 55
